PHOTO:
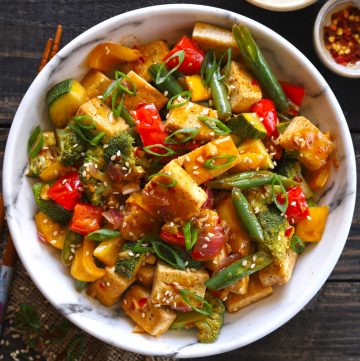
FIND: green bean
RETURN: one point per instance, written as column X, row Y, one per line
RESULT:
column 255, row 61
column 220, row 97
column 251, row 179
column 170, row 84
column 237, row 270
column 246, row 215
column 72, row 240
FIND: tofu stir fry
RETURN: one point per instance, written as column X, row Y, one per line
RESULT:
column 178, row 182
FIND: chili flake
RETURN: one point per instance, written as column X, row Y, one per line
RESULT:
column 342, row 36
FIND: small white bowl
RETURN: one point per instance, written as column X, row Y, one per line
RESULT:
column 323, row 19
column 281, row 5
column 241, row 328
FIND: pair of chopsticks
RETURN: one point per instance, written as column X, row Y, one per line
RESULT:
column 9, row 256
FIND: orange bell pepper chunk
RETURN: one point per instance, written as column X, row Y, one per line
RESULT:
column 83, row 267
column 317, row 179
column 106, row 56
column 50, row 231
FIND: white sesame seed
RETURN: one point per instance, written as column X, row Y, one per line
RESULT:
column 143, row 315
column 55, row 233
column 131, row 253
column 107, row 284
column 166, row 92
column 118, row 153
column 125, row 301
column 53, row 241
column 84, row 173
column 71, row 258
column 196, row 172
column 195, row 167
column 204, row 245
column 105, row 146
column 113, row 157
column 45, row 220
column 252, row 265
column 131, row 234
column 309, row 218
column 167, row 292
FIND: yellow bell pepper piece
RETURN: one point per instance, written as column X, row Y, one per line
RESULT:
column 311, row 230
column 107, row 251
column 83, row 267
column 54, row 171
column 317, row 179
column 197, row 88
column 50, row 231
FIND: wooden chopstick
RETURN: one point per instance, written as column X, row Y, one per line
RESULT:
column 57, row 40
column 46, row 54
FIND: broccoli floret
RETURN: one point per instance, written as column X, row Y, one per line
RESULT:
column 273, row 224
column 122, row 145
column 210, row 326
column 291, row 168
column 70, row 145
column 96, row 155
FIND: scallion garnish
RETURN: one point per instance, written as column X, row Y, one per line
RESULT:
column 226, row 54
column 117, row 109
column 297, row 244
column 168, row 254
column 85, row 133
column 190, row 235
column 36, row 142
column 85, row 121
column 208, row 67
column 166, row 176
column 187, row 133
column 149, row 149
column 160, row 77
column 103, row 234
column 282, row 206
column 215, row 124
column 120, row 77
column 205, row 310
column 212, row 164
column 185, row 96
column 109, row 90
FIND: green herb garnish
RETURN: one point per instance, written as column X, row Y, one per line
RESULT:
column 36, row 142
column 215, row 124
column 205, row 310
column 103, row 234
column 173, row 182
column 180, row 55
column 212, row 164
column 189, row 133
column 149, row 149
column 185, row 95
column 281, row 206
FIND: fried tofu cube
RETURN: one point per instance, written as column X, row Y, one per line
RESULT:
column 145, row 93
column 256, row 291
column 103, row 117
column 214, row 37
column 244, row 90
column 95, row 83
column 146, row 275
column 276, row 274
column 240, row 287
column 215, row 263
column 313, row 145
column 138, row 306
column 187, row 115
column 183, row 199
column 195, row 161
column 168, row 281
column 108, row 289
column 152, row 53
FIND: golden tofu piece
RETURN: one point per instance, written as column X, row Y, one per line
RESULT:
column 313, row 145
column 145, row 93
column 146, row 275
column 108, row 289
column 187, row 117
column 138, row 306
column 152, row 53
column 214, row 37
column 168, row 281
column 256, row 291
column 244, row 90
column 194, row 162
column 183, row 200
column 95, row 83
column 215, row 263
column 240, row 287
column 276, row 274
column 103, row 117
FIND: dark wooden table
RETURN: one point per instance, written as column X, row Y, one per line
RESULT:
column 329, row 327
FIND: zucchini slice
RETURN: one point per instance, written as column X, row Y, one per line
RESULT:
column 247, row 125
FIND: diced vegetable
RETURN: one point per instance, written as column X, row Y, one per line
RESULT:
column 50, row 231
column 72, row 242
column 297, row 208
column 145, row 275
column 63, row 101
column 247, row 125
column 95, row 83
column 293, row 92
column 198, row 91
column 312, row 228
column 265, row 109
column 317, row 179
column 107, row 251
column 86, row 218
column 129, row 262
column 54, row 171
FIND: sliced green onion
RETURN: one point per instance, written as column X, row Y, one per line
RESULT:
column 205, row 310
column 168, row 254
column 297, row 244
column 96, row 140
column 119, row 77
column 117, row 109
column 190, row 235
column 281, row 206
column 185, row 95
column 211, row 162
column 228, row 54
column 192, row 132
column 103, row 234
column 109, row 90
column 36, row 142
column 208, row 67
column 215, row 124
column 180, row 55
column 148, row 149
column 169, row 185
column 80, row 119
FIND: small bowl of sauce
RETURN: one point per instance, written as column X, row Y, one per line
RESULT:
column 337, row 37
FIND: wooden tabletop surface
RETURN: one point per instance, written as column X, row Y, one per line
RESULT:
column 328, row 328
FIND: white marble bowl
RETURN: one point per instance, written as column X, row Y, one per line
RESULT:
column 241, row 328
column 282, row 5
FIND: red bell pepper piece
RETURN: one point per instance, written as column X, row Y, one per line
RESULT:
column 265, row 109
column 293, row 92
column 86, row 218
column 193, row 57
column 176, row 239
column 66, row 191
column 297, row 206
column 149, row 125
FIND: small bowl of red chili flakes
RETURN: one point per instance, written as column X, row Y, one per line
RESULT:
column 337, row 36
